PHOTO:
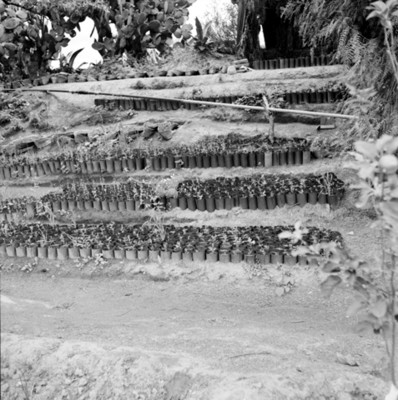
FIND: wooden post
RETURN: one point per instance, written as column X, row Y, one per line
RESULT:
column 271, row 118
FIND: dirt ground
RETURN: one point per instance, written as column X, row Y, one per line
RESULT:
column 124, row 330
column 228, row 338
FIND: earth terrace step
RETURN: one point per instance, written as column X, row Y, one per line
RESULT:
column 140, row 104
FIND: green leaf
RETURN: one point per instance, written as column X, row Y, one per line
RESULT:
column 154, row 26
column 11, row 23
column 369, row 150
column 98, row 46
column 22, row 14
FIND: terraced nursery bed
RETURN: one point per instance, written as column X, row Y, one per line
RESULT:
column 255, row 192
column 142, row 242
column 229, row 151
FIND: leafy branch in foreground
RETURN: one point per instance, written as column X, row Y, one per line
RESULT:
column 375, row 283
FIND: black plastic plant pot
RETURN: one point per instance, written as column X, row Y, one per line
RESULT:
column 261, row 202
column 244, row 203
column 228, row 203
column 178, row 163
column 260, row 158
column 268, row 159
column 140, row 163
column 302, row 199
column 62, row 253
column 306, row 157
column 244, row 160
column 213, row 161
column 89, row 167
column 187, row 256
column 73, row 253
column 225, row 257
column 262, row 258
column 201, row 204
column 271, row 202
column 333, row 200
column 176, row 256
column 31, row 251
column 3, row 250
column 109, row 166
column 252, row 203
column 185, row 161
column 121, row 205
column 88, row 204
column 131, row 254
column 10, row 250
column 281, row 199
column 276, row 157
column 165, row 255
column 212, row 256
column 52, row 253
column 96, row 205
column 199, row 255
column 302, row 260
column 153, row 255
column 289, row 259
column 56, row 206
column 219, row 203
column 322, row 198
column 210, row 204
column 191, row 162
column 291, row 198
column 236, row 160
column 276, row 258
column 282, row 158
column 155, row 161
column 104, row 205
column 103, row 165
column 96, row 166
column 182, row 203
column 199, row 161
column 163, row 163
column 112, row 205
column 206, row 161
column 20, row 251
column 85, row 252
column 312, row 198
column 191, row 203
column 142, row 254
column 221, row 160
column 249, row 258
column 252, row 159
column 170, row 162
column 172, row 202
column 236, row 256
column 290, row 157
column 131, row 164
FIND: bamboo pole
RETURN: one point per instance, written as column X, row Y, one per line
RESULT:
column 188, row 101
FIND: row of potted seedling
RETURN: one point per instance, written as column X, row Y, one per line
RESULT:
column 64, row 77
column 263, row 192
column 164, row 159
column 293, row 62
column 312, row 96
column 224, row 244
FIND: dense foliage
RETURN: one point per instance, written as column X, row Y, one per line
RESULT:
column 33, row 32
